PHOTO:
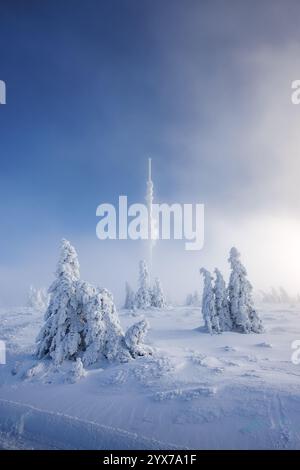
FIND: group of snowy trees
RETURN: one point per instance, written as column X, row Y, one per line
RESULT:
column 146, row 296
column 277, row 296
column 81, row 321
column 229, row 308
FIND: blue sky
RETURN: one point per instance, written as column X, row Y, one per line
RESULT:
column 95, row 87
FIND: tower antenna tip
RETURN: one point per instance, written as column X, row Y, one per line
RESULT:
column 149, row 168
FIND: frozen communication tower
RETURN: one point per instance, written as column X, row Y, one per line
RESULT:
column 151, row 227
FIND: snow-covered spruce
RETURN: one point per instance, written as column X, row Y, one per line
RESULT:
column 196, row 300
column 158, row 299
column 130, row 298
column 114, row 348
column 102, row 335
column 37, row 299
column 208, row 304
column 189, row 300
column 143, row 295
column 81, row 320
column 279, row 295
column 243, row 315
column 221, row 302
column 134, row 339
column 60, row 337
column 192, row 300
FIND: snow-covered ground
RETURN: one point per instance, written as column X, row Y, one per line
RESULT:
column 228, row 391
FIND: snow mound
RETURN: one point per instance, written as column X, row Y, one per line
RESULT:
column 186, row 394
column 210, row 362
column 153, row 369
column 229, row 349
column 264, row 345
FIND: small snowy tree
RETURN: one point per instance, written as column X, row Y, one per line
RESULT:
column 114, row 348
column 221, row 302
column 134, row 339
column 143, row 295
column 32, row 298
column 208, row 304
column 193, row 300
column 189, row 300
column 275, row 296
column 158, row 299
column 244, row 317
column 37, row 299
column 284, row 296
column 60, row 338
column 77, row 372
column 45, row 298
column 130, row 298
column 102, row 333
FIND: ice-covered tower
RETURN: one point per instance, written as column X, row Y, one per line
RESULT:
column 149, row 199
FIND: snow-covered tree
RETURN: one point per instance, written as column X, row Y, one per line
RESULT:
column 221, row 302
column 189, row 300
column 193, row 300
column 102, row 335
column 158, row 299
column 244, row 317
column 45, row 298
column 33, row 300
column 89, row 309
column 263, row 296
column 134, row 339
column 37, row 299
column 60, row 337
column 143, row 295
column 130, row 298
column 114, row 348
column 208, row 304
column 275, row 295
column 284, row 296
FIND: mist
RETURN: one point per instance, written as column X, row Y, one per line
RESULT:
column 205, row 90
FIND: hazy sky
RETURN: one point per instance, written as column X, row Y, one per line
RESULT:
column 95, row 87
